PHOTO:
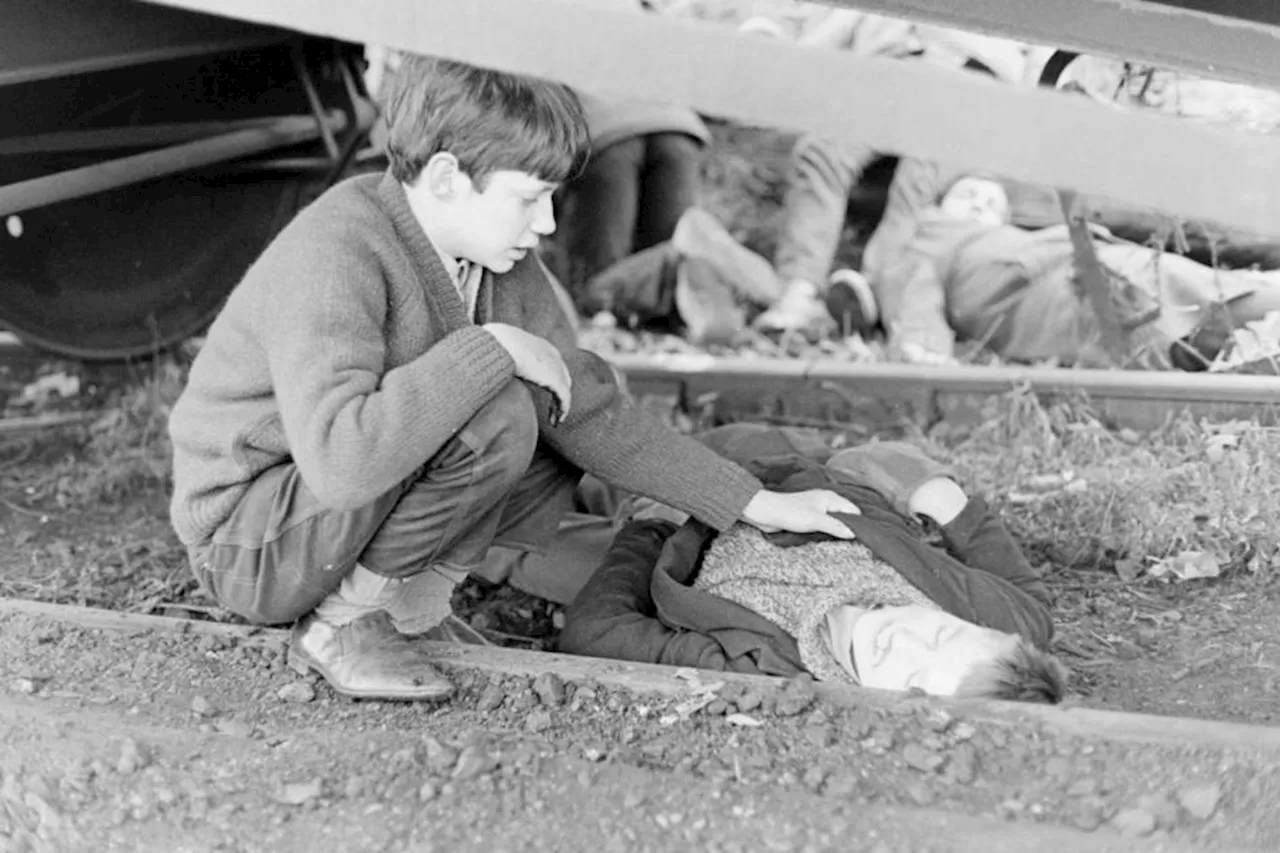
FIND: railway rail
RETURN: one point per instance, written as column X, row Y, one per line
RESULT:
column 817, row 391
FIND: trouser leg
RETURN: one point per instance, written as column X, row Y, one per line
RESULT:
column 599, row 212
column 668, row 187
column 820, row 175
column 282, row 552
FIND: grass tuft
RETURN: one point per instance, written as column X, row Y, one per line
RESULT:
column 1120, row 496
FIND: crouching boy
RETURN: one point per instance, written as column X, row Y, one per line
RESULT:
column 393, row 388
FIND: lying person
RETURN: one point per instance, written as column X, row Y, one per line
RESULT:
column 886, row 610
column 946, row 262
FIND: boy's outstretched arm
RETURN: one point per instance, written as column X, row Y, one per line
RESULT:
column 607, row 435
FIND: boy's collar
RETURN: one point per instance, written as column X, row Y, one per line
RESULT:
column 394, row 194
column 424, row 252
column 451, row 265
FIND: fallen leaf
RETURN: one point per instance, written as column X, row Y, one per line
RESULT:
column 1188, row 565
column 1216, row 446
column 1045, row 482
column 297, row 793
column 1128, row 569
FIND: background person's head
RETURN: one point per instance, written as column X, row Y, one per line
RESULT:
column 900, row 648
column 977, row 199
column 480, row 153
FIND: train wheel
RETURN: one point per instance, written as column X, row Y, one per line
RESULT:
column 132, row 271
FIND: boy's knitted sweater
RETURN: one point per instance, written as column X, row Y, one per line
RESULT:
column 347, row 350
column 795, row 587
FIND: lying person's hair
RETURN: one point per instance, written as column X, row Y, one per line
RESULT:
column 1025, row 674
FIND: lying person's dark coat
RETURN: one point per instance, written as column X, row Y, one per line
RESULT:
column 641, row 605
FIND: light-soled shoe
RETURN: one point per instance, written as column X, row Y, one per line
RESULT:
column 366, row 658
column 801, row 309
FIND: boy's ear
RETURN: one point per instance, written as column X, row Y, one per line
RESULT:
column 442, row 175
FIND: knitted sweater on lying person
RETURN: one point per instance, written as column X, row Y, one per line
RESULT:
column 796, row 587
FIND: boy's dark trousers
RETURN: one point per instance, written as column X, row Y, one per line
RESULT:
column 281, row 552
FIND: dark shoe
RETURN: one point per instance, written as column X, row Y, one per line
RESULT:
column 852, row 304
column 366, row 659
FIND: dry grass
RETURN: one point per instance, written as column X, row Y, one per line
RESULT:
column 1130, row 499
column 85, row 507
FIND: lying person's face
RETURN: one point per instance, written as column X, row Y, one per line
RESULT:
column 978, row 200
column 900, row 648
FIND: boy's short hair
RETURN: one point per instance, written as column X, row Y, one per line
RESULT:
column 1024, row 674
column 488, row 120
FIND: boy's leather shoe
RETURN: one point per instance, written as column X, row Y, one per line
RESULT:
column 366, row 659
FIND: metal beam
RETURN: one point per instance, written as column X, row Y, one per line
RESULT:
column 43, row 39
column 896, row 107
column 122, row 171
column 1236, row 41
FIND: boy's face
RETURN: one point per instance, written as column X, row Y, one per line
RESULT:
column 898, row 648
column 977, row 199
column 497, row 226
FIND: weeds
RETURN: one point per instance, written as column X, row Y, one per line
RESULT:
column 85, row 507
column 1192, row 485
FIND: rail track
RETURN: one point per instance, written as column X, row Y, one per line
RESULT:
column 818, row 391
column 821, row 391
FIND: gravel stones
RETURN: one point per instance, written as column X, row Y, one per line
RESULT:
column 299, row 692
column 1200, row 801
column 962, row 764
column 919, row 758
column 750, row 701
column 796, row 696
column 440, row 757
column 1134, row 822
column 539, row 720
column 299, row 793
column 24, row 686
column 474, row 761
column 132, row 757
column 491, row 698
column 233, row 728
column 550, row 689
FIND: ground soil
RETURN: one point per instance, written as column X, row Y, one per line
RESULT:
column 146, row 740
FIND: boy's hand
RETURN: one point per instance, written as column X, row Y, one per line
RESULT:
column 799, row 512
column 537, row 361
